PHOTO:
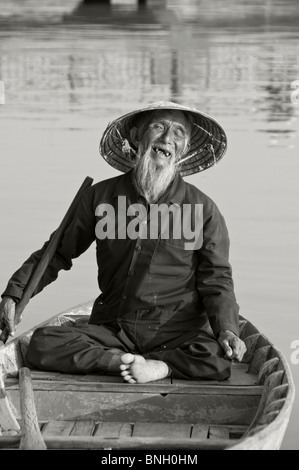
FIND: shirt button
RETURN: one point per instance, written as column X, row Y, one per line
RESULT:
column 124, row 296
column 144, row 222
column 163, row 347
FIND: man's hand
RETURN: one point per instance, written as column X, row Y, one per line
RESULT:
column 7, row 317
column 233, row 346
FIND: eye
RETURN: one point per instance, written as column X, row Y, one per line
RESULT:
column 180, row 133
column 157, row 126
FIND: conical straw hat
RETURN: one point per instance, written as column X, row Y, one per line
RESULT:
column 208, row 140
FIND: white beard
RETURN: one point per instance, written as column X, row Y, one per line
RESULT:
column 152, row 179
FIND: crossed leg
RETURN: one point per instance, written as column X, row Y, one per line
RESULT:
column 98, row 349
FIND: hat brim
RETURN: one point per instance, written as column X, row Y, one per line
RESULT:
column 208, row 141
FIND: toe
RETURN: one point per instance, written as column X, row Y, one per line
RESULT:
column 127, row 358
column 127, row 377
column 124, row 373
column 130, row 379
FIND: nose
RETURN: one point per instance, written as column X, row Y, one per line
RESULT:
column 167, row 135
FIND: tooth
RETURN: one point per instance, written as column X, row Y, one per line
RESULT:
column 158, row 150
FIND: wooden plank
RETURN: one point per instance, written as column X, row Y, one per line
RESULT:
column 269, row 417
column 274, row 380
column 236, row 432
column 169, row 430
column 9, row 442
column 196, row 383
column 83, row 427
column 274, row 405
column 259, row 358
column 8, row 420
column 11, row 358
column 43, row 375
column 95, row 442
column 57, row 428
column 219, row 432
column 113, row 429
column 200, row 431
column 248, row 330
column 208, row 408
column 156, row 443
column 273, row 353
column 74, row 378
column 90, row 378
column 250, row 343
column 267, row 368
column 277, row 393
column 186, row 389
column 242, row 324
column 240, row 376
column 271, row 382
column 31, row 438
column 102, row 379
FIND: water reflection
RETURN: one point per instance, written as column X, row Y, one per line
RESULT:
column 257, row 14
column 75, row 56
column 81, row 54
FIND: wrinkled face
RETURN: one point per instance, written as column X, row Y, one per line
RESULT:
column 167, row 133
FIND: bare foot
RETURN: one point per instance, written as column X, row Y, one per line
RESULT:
column 137, row 369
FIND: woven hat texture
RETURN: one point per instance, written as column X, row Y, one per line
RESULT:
column 208, row 140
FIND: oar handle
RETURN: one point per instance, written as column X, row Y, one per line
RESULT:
column 32, row 438
column 47, row 255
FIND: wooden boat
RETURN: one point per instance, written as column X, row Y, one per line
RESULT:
column 250, row 410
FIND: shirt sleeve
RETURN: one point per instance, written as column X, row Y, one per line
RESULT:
column 77, row 238
column 214, row 273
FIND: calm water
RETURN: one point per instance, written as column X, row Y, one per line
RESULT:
column 68, row 68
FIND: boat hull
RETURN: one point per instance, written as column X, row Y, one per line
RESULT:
column 249, row 411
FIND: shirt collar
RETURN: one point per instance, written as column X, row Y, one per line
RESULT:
column 174, row 194
column 124, row 186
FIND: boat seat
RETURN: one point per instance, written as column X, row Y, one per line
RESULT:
column 239, row 377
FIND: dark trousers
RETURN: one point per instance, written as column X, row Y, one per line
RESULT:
column 90, row 348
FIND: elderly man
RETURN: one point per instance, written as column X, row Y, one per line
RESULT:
column 167, row 305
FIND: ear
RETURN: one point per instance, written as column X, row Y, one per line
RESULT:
column 134, row 136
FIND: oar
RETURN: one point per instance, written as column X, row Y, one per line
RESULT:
column 47, row 256
column 31, row 438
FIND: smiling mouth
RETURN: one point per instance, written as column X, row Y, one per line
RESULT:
column 161, row 151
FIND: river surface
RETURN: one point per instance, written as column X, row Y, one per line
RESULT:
column 67, row 68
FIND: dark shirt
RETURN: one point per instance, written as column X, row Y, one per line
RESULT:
column 150, row 277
